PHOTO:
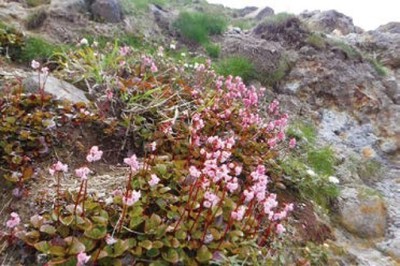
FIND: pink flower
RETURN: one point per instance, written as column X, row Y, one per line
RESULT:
column 153, row 68
column 13, row 221
column 233, row 185
column 292, row 143
column 45, row 70
column 82, row 173
column 132, row 198
column 194, row 172
column 82, row 258
column 272, row 142
column 210, row 200
column 132, row 162
column 280, row 229
column 154, row 180
column 248, row 194
column 239, row 213
column 123, row 51
column 110, row 240
column 35, row 64
column 238, row 170
column 58, row 167
column 153, row 146
column 94, row 154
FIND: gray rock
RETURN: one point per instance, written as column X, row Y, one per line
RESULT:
column 328, row 21
column 391, row 27
column 60, row 89
column 363, row 212
column 107, row 10
column 245, row 11
column 265, row 12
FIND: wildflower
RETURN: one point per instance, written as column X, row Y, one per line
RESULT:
column 292, row 143
column 233, row 185
column 210, row 200
column 94, row 154
column 172, row 46
column 132, row 162
column 153, row 68
column 280, row 229
column 183, row 54
column 333, row 179
column 84, row 41
column 82, row 258
column 154, row 180
column 123, row 51
column 35, row 64
column 45, row 71
column 160, row 51
column 58, row 167
column 13, row 221
column 82, row 173
column 248, row 195
column 194, row 172
column 153, row 146
column 110, row 240
column 239, row 213
column 132, row 199
column 311, row 173
column 272, row 142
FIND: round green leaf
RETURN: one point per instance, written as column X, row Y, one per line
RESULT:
column 203, row 254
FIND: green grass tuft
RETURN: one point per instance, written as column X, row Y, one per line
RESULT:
column 322, row 161
column 213, row 50
column 236, row 66
column 38, row 49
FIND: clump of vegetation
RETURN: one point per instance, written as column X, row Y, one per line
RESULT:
column 37, row 48
column 317, row 41
column 379, row 68
column 278, row 74
column 243, row 24
column 278, row 19
column 197, row 27
column 198, row 186
column 236, row 66
column 129, row 7
column 213, row 50
column 11, row 41
column 36, row 19
column 350, row 52
column 35, row 3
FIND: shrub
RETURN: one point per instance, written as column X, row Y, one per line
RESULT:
column 213, row 50
column 236, row 66
column 36, row 19
column 197, row 27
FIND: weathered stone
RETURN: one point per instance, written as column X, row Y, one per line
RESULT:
column 329, row 21
column 107, row 10
column 265, row 12
column 363, row 212
column 60, row 89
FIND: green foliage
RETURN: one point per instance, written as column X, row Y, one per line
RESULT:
column 35, row 3
column 350, row 52
column 316, row 40
column 11, row 41
column 129, row 7
column 197, row 27
column 213, row 50
column 236, row 66
column 38, row 49
column 243, row 24
column 277, row 19
column 322, row 161
column 379, row 68
column 36, row 19
column 304, row 131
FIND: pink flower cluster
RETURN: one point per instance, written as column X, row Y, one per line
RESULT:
column 210, row 200
column 13, row 221
column 132, row 198
column 133, row 163
column 94, row 154
column 82, row 173
column 239, row 213
column 82, row 259
column 58, row 167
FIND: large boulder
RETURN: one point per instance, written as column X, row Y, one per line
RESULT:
column 107, row 11
column 60, row 89
column 329, row 21
column 264, row 55
column 265, row 12
column 363, row 212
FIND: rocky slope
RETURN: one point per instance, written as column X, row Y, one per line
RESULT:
column 327, row 71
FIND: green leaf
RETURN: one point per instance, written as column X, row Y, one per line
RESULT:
column 100, row 220
column 203, row 254
column 171, row 256
column 74, row 245
column 117, row 249
column 135, row 222
column 147, row 244
column 43, row 247
column 152, row 253
column 48, row 229
column 97, row 232
column 67, row 220
column 136, row 211
column 90, row 244
column 57, row 251
column 161, row 169
column 181, row 235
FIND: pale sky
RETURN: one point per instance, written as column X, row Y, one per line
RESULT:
column 366, row 14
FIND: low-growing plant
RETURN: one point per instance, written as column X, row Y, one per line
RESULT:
column 277, row 19
column 37, row 48
column 379, row 68
column 11, row 41
column 322, row 161
column 213, row 50
column 317, row 41
column 243, row 24
column 129, row 7
column 198, row 186
column 35, row 3
column 350, row 51
column 197, row 27
column 236, row 66
column 277, row 75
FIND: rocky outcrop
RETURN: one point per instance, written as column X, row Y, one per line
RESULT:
column 60, row 89
column 264, row 55
column 363, row 212
column 106, row 10
column 329, row 21
column 265, row 12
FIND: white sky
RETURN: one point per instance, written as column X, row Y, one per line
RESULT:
column 366, row 14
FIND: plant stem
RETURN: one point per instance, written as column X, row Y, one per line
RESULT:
column 78, row 197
